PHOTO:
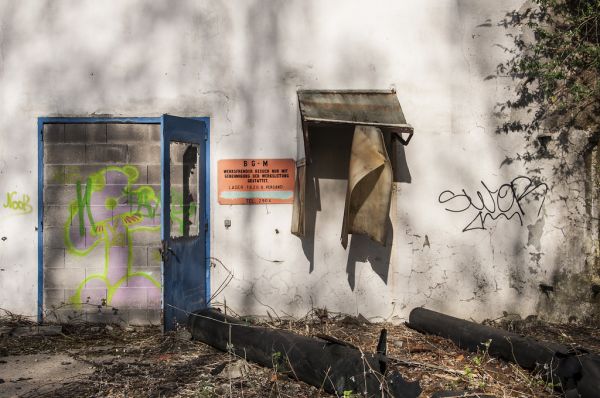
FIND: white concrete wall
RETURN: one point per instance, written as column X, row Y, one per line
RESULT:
column 241, row 63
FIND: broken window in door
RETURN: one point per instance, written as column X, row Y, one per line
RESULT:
column 184, row 189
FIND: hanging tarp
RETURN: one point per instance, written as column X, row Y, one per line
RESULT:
column 369, row 186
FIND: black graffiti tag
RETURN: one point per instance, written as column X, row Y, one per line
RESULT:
column 506, row 201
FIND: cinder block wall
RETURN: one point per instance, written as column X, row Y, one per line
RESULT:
column 102, row 222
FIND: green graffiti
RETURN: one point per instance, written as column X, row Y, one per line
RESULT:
column 145, row 197
column 116, row 230
column 20, row 204
column 110, row 203
column 129, row 208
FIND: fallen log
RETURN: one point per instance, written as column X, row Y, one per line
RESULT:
column 576, row 370
column 327, row 364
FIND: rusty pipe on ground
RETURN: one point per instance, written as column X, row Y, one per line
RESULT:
column 328, row 364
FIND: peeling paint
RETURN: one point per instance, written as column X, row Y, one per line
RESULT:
column 536, row 231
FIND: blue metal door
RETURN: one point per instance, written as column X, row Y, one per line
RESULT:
column 184, row 198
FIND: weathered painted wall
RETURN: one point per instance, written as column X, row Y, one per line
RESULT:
column 241, row 64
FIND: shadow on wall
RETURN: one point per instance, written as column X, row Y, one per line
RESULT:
column 121, row 87
column 263, row 46
column 330, row 151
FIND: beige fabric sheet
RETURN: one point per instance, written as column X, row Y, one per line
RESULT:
column 369, row 186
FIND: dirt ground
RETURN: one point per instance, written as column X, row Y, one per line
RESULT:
column 88, row 360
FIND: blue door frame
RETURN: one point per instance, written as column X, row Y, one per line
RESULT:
column 124, row 120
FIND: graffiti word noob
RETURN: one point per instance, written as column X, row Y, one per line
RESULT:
column 13, row 202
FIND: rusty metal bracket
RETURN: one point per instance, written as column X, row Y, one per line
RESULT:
column 409, row 131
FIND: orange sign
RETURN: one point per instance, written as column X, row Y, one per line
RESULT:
column 255, row 181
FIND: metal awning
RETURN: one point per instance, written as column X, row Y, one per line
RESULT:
column 371, row 113
column 378, row 108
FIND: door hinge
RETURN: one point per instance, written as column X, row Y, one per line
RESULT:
column 205, row 227
column 205, row 137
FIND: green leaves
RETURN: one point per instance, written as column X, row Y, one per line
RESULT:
column 557, row 72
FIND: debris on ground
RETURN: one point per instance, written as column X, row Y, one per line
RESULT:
column 31, row 330
column 144, row 362
column 323, row 362
column 573, row 370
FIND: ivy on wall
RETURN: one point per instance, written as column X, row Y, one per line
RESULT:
column 556, row 63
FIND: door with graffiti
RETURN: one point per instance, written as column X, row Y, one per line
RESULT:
column 184, row 231
column 104, row 227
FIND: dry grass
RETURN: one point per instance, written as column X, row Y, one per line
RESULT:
column 143, row 362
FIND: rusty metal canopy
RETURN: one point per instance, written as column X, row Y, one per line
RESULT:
column 358, row 107
column 379, row 109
